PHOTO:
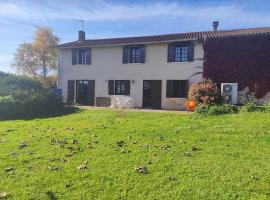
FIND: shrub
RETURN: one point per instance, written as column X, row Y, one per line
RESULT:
column 202, row 109
column 27, row 104
column 205, row 92
column 23, row 97
column 250, row 104
column 216, row 109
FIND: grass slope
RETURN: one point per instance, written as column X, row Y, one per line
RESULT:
column 224, row 157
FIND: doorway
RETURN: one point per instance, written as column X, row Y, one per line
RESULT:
column 85, row 92
column 152, row 94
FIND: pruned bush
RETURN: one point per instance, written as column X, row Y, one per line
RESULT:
column 27, row 104
column 205, row 92
column 22, row 97
column 216, row 109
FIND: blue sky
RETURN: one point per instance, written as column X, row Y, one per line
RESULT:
column 108, row 18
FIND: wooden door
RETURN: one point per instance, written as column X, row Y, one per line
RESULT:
column 85, row 94
column 152, row 94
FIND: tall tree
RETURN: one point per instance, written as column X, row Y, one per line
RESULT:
column 26, row 61
column 39, row 58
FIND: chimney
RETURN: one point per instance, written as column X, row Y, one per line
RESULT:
column 215, row 25
column 81, row 35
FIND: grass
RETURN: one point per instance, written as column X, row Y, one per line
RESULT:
column 224, row 157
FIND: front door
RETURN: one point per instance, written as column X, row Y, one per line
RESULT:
column 152, row 94
column 85, row 92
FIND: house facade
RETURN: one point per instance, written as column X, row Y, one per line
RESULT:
column 156, row 70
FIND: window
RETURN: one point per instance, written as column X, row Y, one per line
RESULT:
column 134, row 54
column 177, row 88
column 81, row 56
column 181, row 52
column 119, row 87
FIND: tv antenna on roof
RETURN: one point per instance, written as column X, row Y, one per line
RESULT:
column 80, row 20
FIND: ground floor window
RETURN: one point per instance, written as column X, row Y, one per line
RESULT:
column 177, row 88
column 119, row 87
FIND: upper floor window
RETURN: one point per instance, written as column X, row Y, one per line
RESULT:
column 134, row 54
column 81, row 56
column 181, row 52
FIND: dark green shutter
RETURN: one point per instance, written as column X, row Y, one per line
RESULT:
column 186, row 88
column 71, row 85
column 127, row 87
column 74, row 56
column 190, row 51
column 88, row 56
column 111, row 87
column 125, row 54
column 142, row 53
column 169, row 89
column 171, row 49
column 91, row 88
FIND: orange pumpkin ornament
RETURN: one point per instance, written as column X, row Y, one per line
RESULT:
column 191, row 105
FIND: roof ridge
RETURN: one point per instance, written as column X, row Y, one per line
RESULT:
column 193, row 32
column 169, row 37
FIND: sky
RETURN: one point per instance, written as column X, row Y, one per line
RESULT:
column 120, row 18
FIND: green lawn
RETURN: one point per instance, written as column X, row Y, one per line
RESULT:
column 93, row 155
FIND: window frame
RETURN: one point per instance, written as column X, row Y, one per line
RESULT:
column 128, row 54
column 120, row 87
column 181, row 53
column 178, row 88
column 81, row 56
column 137, row 57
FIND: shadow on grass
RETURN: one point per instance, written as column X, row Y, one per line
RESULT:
column 62, row 112
column 51, row 195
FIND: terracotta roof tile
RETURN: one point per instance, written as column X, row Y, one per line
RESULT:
column 169, row 37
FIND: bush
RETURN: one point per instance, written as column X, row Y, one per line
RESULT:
column 205, row 92
column 26, row 104
column 251, row 105
column 22, row 97
column 216, row 109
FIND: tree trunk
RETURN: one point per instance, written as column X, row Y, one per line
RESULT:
column 44, row 69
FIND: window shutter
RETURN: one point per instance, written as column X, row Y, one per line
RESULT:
column 186, row 88
column 125, row 54
column 169, row 89
column 127, row 87
column 170, row 57
column 111, row 87
column 91, row 88
column 190, row 51
column 74, row 56
column 88, row 56
column 71, row 85
column 142, row 53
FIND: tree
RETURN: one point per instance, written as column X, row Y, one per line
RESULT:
column 39, row 58
column 26, row 60
column 44, row 47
